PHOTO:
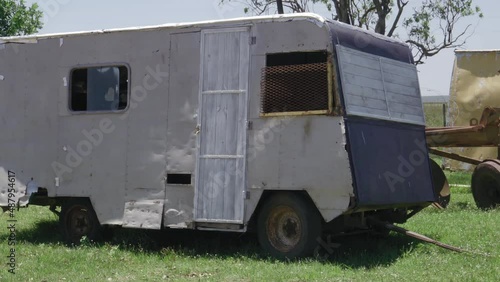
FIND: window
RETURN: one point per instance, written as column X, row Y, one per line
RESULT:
column 295, row 82
column 99, row 89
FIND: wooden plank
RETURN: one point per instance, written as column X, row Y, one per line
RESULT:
column 240, row 164
column 210, row 59
column 370, row 82
column 364, row 92
column 357, row 58
column 351, row 79
column 203, row 188
column 401, row 80
column 365, row 102
column 224, row 50
column 232, row 124
column 244, row 62
column 207, row 133
column 232, row 61
column 304, row 113
column 362, row 111
column 404, row 99
column 393, row 67
column 362, row 71
column 239, row 203
column 408, row 117
column 230, row 188
column 395, row 107
column 403, row 90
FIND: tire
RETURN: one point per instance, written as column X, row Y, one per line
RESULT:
column 78, row 219
column 442, row 190
column 486, row 185
column 288, row 226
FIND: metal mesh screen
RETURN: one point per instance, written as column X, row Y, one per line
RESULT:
column 294, row 88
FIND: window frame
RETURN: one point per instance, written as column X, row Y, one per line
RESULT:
column 332, row 103
column 103, row 65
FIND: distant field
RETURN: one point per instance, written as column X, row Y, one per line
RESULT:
column 434, row 115
column 434, row 118
column 137, row 255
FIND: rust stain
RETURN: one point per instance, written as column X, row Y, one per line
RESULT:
column 485, row 133
column 307, row 128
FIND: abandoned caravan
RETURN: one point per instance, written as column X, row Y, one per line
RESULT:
column 288, row 126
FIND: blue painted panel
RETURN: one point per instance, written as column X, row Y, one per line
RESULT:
column 369, row 42
column 390, row 163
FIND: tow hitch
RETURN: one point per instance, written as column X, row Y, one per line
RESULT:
column 392, row 227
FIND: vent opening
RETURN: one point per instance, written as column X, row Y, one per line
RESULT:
column 179, row 178
column 295, row 82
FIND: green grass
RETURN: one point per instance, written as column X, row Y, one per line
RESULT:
column 138, row 255
column 434, row 115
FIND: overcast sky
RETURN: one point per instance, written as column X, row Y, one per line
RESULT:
column 73, row 15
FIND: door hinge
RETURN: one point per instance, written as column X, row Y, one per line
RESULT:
column 253, row 40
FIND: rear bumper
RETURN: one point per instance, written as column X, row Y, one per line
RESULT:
column 389, row 164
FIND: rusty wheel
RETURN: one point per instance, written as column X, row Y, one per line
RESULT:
column 486, row 185
column 288, row 226
column 78, row 219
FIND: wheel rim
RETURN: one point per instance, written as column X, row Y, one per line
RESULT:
column 284, row 228
column 79, row 223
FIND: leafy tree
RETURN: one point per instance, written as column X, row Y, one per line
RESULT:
column 432, row 25
column 18, row 19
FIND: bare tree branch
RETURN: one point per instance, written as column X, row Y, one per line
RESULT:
column 431, row 27
column 401, row 5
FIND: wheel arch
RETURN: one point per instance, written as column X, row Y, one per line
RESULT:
column 78, row 218
column 266, row 194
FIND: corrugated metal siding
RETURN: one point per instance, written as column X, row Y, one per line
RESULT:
column 379, row 87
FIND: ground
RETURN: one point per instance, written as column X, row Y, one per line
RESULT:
column 138, row 255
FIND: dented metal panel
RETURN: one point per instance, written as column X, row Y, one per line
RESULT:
column 111, row 154
column 182, row 121
column 220, row 174
column 143, row 208
column 379, row 88
column 301, row 153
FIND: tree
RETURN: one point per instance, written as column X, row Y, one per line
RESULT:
column 431, row 26
column 18, row 19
